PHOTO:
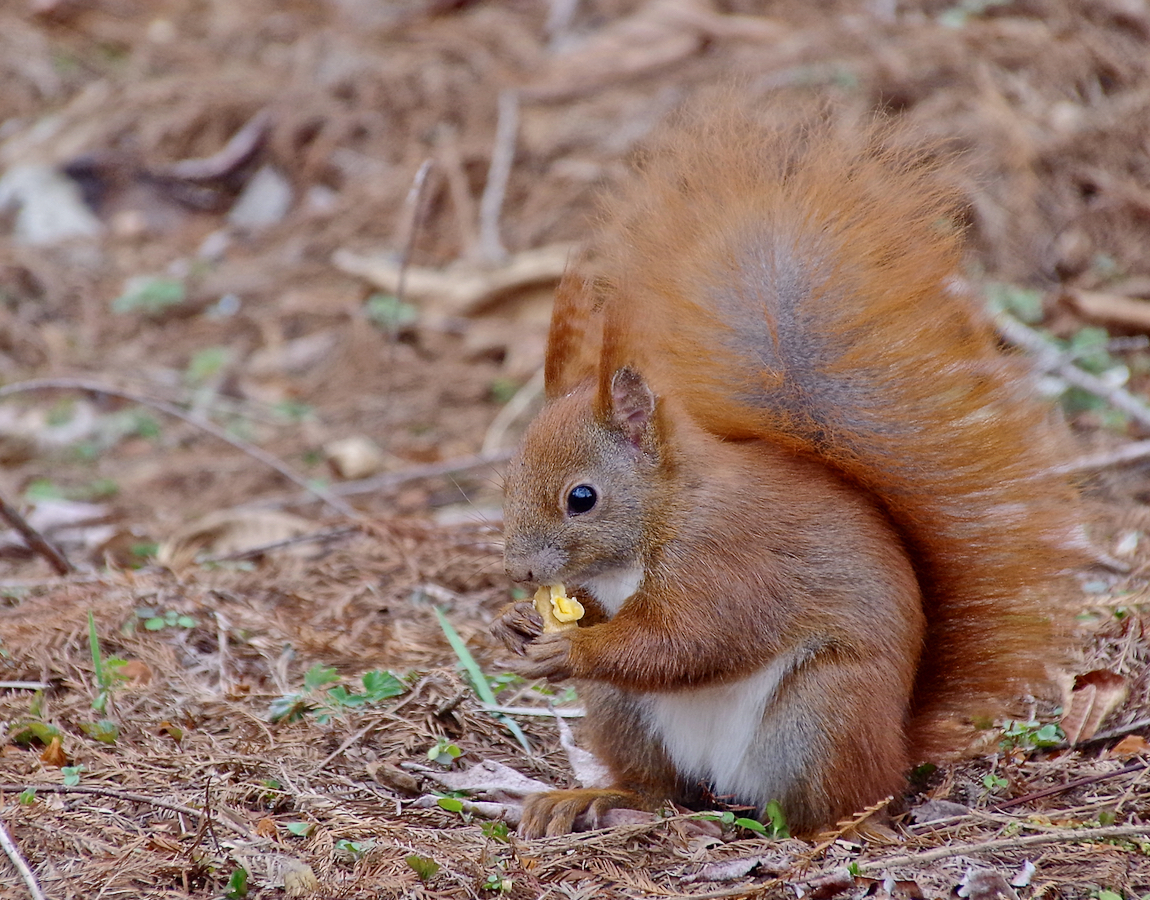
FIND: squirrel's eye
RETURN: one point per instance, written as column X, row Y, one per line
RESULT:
column 581, row 499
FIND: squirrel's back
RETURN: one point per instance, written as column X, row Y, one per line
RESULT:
column 801, row 286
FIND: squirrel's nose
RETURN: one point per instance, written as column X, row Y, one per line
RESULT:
column 518, row 571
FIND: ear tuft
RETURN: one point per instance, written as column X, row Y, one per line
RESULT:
column 632, row 403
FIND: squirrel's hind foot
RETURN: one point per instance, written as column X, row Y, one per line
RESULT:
column 561, row 812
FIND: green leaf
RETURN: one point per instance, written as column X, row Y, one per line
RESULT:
column 150, row 296
column 27, row 796
column 451, row 804
column 94, row 647
column 318, row 676
column 778, row 820
column 390, row 313
column 105, row 730
column 382, row 686
column 206, row 364
column 478, row 681
column 42, row 489
column 28, row 732
column 155, row 623
column 423, row 866
column 288, row 708
column 497, row 831
column 71, row 775
column 186, row 622
column 237, row 887
column 299, row 829
column 752, row 825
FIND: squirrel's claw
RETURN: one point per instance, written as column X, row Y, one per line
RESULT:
column 517, row 625
column 547, row 656
column 561, row 812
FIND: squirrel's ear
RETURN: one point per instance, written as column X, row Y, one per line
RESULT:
column 632, row 403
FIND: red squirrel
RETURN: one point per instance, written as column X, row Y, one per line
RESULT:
column 809, row 505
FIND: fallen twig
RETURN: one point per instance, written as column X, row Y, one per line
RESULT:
column 1012, row 843
column 1130, row 767
column 416, row 209
column 309, row 538
column 36, row 542
column 24, row 685
column 95, row 387
column 390, row 480
column 491, row 249
column 1050, row 359
column 20, row 863
column 1130, row 453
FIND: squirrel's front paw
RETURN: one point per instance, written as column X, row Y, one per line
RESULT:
column 517, row 625
column 547, row 656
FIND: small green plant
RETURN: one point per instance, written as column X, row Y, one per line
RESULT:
column 423, row 866
column 105, row 731
column 497, row 881
column 41, row 489
column 71, row 775
column 154, row 620
column 150, row 296
column 496, row 831
column 299, row 829
column 1030, row 735
column 323, row 697
column 237, row 886
column 506, row 680
column 451, row 804
column 354, row 850
column 503, row 389
column 206, row 364
column 1024, row 304
column 27, row 796
column 992, row 781
column 32, row 729
column 444, row 752
column 389, row 313
column 109, row 672
column 292, row 411
column 1103, row 894
column 777, row 819
column 775, row 827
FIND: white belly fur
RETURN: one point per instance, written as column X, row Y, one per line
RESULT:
column 712, row 733
column 613, row 588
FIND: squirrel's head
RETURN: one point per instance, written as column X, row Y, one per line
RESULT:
column 579, row 494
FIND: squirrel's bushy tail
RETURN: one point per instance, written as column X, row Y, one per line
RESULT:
column 801, row 286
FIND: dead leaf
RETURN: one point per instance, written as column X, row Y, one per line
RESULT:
column 266, row 827
column 1131, row 745
column 1095, row 696
column 163, row 844
column 300, row 880
column 229, row 531
column 354, row 457
column 54, row 755
column 462, row 289
column 1106, row 307
column 136, row 672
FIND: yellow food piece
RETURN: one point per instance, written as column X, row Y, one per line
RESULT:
column 559, row 611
